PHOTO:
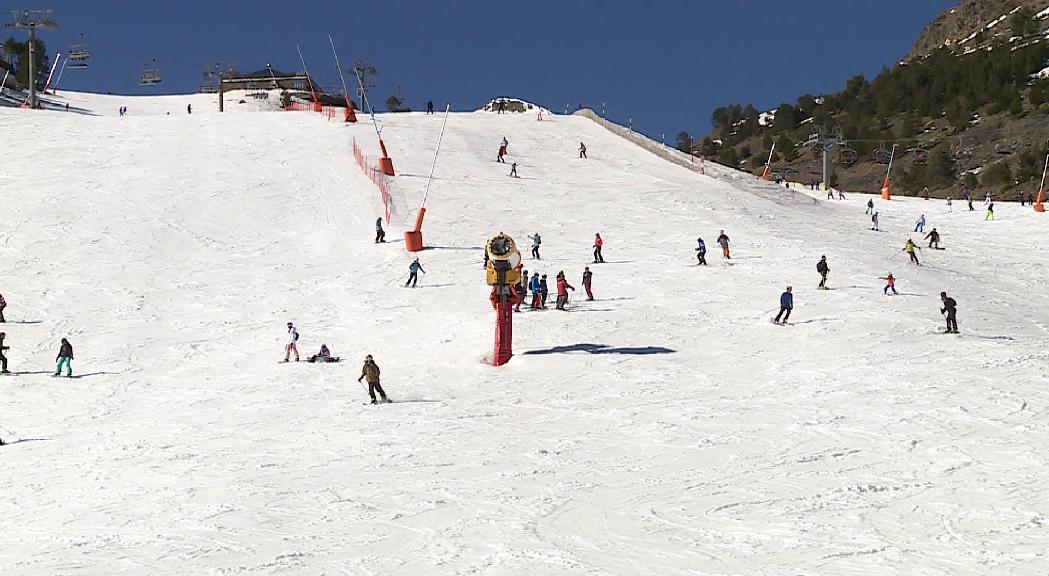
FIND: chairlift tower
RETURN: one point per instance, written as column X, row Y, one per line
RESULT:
column 31, row 20
column 825, row 138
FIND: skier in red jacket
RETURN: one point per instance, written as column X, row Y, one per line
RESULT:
column 562, row 290
column 598, row 243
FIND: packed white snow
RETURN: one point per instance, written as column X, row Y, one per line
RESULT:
column 666, row 428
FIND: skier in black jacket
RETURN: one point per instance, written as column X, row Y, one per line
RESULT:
column 950, row 308
column 823, row 269
column 3, row 359
column 934, row 239
column 65, row 356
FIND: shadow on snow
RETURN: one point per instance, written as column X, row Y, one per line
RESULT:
column 603, row 349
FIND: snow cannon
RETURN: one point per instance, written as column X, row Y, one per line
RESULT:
column 349, row 115
column 413, row 239
column 885, row 189
column 503, row 273
column 385, row 163
column 1038, row 202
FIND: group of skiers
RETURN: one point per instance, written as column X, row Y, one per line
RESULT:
column 701, row 249
column 324, row 356
column 63, row 360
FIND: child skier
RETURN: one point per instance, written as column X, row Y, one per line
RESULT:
column 874, row 222
column 513, row 170
column 598, row 243
column 562, row 290
column 723, row 242
column 870, row 207
column 890, row 284
column 701, row 252
column 990, row 212
column 371, row 372
column 413, row 273
column 544, row 290
column 950, row 205
column 3, row 358
column 522, row 290
column 3, row 304
column 292, row 346
column 65, row 356
column 823, row 270
column 909, row 248
column 919, row 226
column 587, row 279
column 786, row 304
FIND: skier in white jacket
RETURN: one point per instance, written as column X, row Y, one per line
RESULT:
column 291, row 346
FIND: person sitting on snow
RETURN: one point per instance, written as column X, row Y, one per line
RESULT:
column 323, row 356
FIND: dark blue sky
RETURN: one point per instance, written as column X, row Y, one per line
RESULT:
column 666, row 64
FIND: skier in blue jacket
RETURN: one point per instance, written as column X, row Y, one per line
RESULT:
column 413, row 273
column 536, row 291
column 701, row 253
column 786, row 304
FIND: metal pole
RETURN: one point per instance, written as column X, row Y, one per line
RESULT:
column 892, row 155
column 58, row 56
column 1041, row 186
column 32, row 80
column 371, row 112
column 307, row 72
column 4, row 83
column 345, row 90
column 826, row 168
column 447, row 111
column 60, row 72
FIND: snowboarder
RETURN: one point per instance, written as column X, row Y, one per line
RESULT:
column 3, row 304
column 544, row 290
column 598, row 243
column 870, row 207
column 874, row 222
column 588, row 277
column 413, row 273
column 919, row 226
column 513, row 170
column 823, row 269
column 292, row 345
column 951, row 311
column 322, row 357
column 909, row 249
column 786, row 304
column 3, row 358
column 371, row 372
column 701, row 252
column 562, row 290
column 536, row 241
column 934, row 239
column 890, row 284
column 502, row 152
column 723, row 242
column 429, row 107
column 537, row 291
column 380, row 234
column 950, row 206
column 506, row 145
column 65, row 356
column 990, row 211
column 582, row 150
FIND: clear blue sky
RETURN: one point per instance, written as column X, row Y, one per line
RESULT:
column 666, row 64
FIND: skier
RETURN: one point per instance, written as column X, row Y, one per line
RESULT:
column 969, row 199
column 987, row 199
column 950, row 309
column 513, row 170
column 1023, row 197
column 65, row 356
column 562, row 290
column 830, row 194
column 380, row 234
column 429, row 107
column 841, row 195
column 522, row 290
column 786, row 304
column 582, row 150
column 874, row 222
column 371, row 372
column 701, row 252
column 870, row 207
column 544, row 290
column 919, row 226
column 598, row 243
column 934, row 239
column 3, row 304
column 990, row 211
column 291, row 346
column 3, row 359
column 536, row 291
column 823, row 269
column 723, row 242
column 506, row 145
column 413, row 273
column 909, row 249
column 485, row 264
column 949, row 205
column 189, row 108
column 890, row 284
column 322, row 357
column 502, row 152
column 536, row 241
column 588, row 277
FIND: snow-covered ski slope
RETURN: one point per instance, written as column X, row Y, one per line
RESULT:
column 667, row 428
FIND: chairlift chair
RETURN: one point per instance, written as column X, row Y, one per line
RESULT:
column 847, row 157
column 150, row 75
column 78, row 54
column 921, row 155
column 881, row 156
